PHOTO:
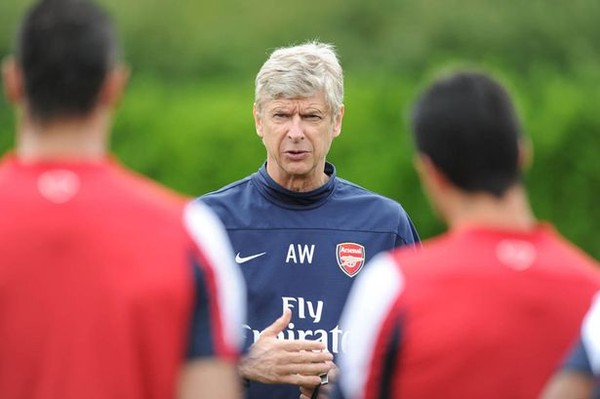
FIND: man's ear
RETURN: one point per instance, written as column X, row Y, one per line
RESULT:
column 113, row 86
column 429, row 173
column 13, row 80
column 438, row 189
column 525, row 153
column 337, row 121
column 257, row 120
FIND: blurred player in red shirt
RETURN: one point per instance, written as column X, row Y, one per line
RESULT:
column 489, row 309
column 111, row 286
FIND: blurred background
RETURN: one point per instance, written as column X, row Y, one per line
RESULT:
column 186, row 119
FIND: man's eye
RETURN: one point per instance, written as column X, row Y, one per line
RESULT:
column 279, row 115
column 312, row 117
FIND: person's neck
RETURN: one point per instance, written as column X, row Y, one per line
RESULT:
column 72, row 139
column 298, row 183
column 510, row 212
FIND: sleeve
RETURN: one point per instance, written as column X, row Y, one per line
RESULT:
column 367, row 316
column 590, row 335
column 585, row 357
column 407, row 232
column 578, row 360
column 220, row 303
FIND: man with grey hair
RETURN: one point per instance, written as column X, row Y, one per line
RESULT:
column 300, row 233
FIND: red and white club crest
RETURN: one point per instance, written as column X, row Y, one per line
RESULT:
column 58, row 185
column 350, row 257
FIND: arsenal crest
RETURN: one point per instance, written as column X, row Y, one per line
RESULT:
column 350, row 257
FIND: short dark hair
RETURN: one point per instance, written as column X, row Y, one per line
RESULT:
column 466, row 124
column 65, row 49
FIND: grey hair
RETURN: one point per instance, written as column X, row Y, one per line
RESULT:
column 301, row 71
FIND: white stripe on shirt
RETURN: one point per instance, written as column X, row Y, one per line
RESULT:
column 369, row 302
column 590, row 335
column 209, row 234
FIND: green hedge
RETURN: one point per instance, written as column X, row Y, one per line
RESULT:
column 186, row 119
column 199, row 136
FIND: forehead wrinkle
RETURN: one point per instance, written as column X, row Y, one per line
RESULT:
column 298, row 104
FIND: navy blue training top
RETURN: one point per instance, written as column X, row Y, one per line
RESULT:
column 302, row 250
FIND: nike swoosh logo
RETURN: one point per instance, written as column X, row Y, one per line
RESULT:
column 245, row 259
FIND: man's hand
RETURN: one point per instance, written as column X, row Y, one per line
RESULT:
column 277, row 361
column 307, row 392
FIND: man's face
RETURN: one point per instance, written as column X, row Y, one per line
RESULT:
column 297, row 133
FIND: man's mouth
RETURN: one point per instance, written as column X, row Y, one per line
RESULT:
column 296, row 154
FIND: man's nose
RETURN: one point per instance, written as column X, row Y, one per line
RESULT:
column 295, row 131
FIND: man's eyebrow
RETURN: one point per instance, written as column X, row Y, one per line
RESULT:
column 315, row 107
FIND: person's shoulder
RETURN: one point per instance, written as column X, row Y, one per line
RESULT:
column 202, row 223
column 350, row 190
column 226, row 192
column 374, row 211
column 145, row 193
column 352, row 187
column 232, row 201
column 433, row 255
column 562, row 247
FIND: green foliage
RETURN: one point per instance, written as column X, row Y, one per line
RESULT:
column 195, row 137
column 186, row 119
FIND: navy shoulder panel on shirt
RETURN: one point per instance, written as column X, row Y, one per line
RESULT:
column 360, row 197
column 578, row 360
column 231, row 201
column 243, row 205
column 377, row 211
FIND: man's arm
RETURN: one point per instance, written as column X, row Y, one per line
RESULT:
column 569, row 385
column 209, row 378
